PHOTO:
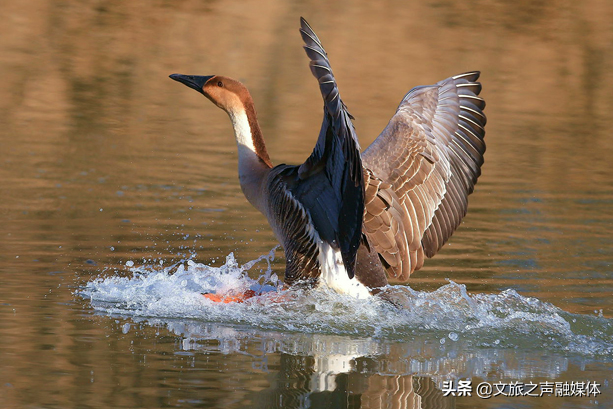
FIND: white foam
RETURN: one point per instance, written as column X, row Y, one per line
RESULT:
column 502, row 321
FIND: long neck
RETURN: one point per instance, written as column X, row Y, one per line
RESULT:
column 253, row 160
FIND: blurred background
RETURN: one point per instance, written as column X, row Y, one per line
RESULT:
column 104, row 159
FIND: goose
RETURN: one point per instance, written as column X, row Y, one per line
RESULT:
column 349, row 219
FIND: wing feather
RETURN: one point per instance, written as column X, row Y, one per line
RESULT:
column 328, row 187
column 293, row 226
column 426, row 162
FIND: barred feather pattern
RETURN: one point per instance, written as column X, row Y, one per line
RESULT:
column 421, row 169
column 336, row 156
column 294, row 227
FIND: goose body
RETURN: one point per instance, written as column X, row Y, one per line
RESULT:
column 347, row 219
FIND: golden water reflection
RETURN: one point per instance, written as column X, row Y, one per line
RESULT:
column 103, row 159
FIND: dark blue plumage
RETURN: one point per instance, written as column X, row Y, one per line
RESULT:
column 331, row 184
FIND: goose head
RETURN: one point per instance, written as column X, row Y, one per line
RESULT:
column 227, row 93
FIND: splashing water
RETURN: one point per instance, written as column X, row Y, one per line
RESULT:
column 448, row 315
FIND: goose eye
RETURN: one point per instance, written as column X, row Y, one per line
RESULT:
column 219, row 83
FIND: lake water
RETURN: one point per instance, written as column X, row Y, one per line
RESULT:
column 121, row 206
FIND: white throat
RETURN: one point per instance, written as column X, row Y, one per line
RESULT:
column 243, row 134
column 251, row 170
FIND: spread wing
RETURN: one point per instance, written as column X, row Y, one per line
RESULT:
column 334, row 169
column 420, row 170
column 322, row 199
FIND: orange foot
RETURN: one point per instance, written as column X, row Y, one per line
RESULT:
column 228, row 298
column 241, row 297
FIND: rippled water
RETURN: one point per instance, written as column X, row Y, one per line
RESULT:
column 506, row 319
column 120, row 207
column 423, row 338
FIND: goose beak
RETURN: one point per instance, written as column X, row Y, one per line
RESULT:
column 193, row 81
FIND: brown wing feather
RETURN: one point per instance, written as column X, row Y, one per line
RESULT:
column 293, row 226
column 420, row 171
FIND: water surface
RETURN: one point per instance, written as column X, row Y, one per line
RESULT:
column 114, row 176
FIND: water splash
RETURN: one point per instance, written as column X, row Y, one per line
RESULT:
column 446, row 317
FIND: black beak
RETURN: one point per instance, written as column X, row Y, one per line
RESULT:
column 193, row 81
